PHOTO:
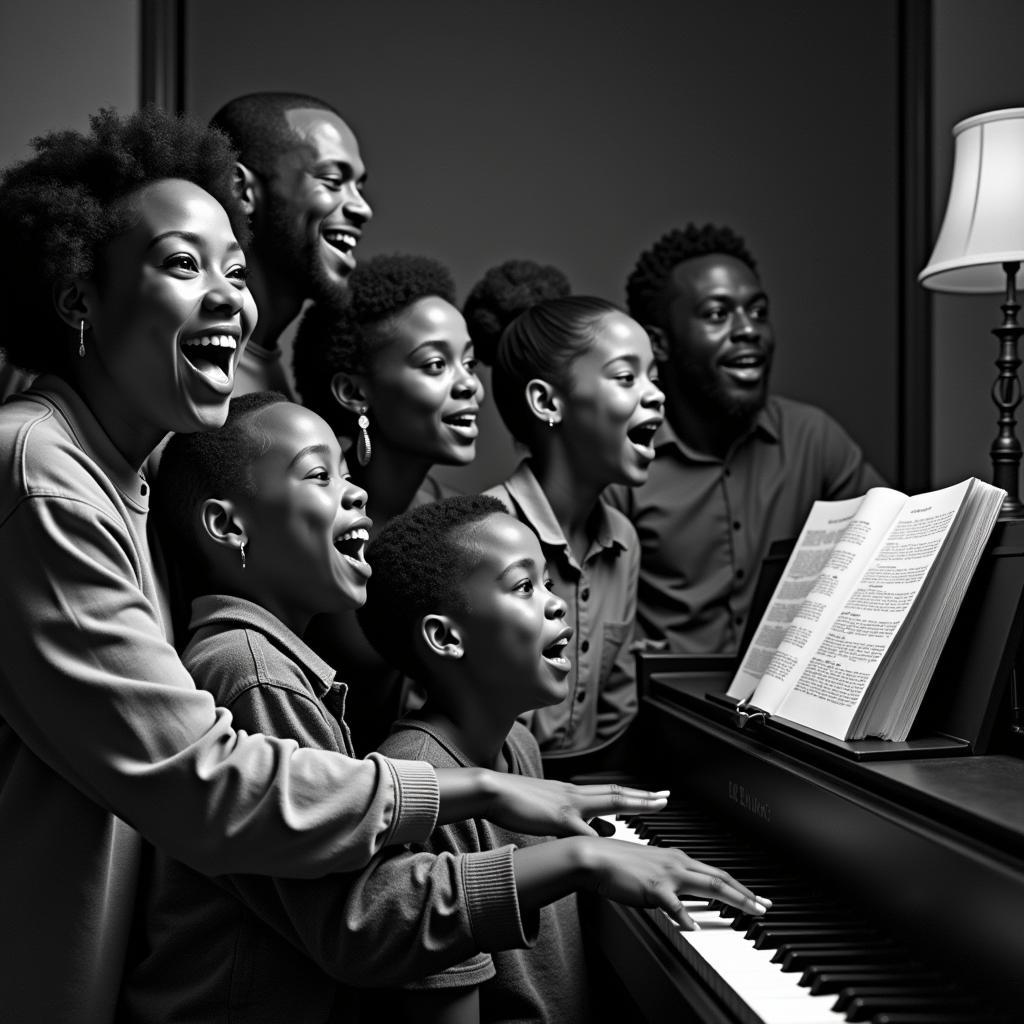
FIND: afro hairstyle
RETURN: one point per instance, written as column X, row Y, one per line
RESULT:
column 61, row 207
column 647, row 285
column 334, row 339
column 502, row 294
column 258, row 129
column 207, row 464
column 419, row 561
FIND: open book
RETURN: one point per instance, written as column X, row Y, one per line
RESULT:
column 850, row 638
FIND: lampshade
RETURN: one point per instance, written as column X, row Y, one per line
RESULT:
column 984, row 223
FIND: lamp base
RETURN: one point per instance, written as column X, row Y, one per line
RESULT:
column 1011, row 511
column 1006, row 393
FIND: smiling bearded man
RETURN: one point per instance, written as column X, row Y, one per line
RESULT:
column 300, row 176
column 736, row 468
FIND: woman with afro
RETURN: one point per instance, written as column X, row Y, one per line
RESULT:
column 574, row 380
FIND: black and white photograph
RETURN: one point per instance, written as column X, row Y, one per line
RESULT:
column 510, row 511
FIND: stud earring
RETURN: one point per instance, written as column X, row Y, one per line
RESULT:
column 364, row 449
column 241, row 551
column 81, row 338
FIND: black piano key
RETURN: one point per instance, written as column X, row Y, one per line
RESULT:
column 792, row 918
column 767, row 937
column 795, row 921
column 887, row 993
column 865, row 1008
column 782, row 900
column 812, row 910
column 826, row 980
column 941, row 1017
column 797, row 957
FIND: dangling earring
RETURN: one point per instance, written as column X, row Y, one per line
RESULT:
column 81, row 338
column 551, row 421
column 241, row 551
column 364, row 449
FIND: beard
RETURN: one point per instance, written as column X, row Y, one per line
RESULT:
column 297, row 259
column 701, row 387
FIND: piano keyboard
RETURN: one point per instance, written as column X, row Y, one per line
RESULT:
column 809, row 960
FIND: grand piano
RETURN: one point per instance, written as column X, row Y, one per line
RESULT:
column 896, row 870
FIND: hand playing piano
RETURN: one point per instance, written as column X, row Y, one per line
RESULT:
column 655, row 876
column 544, row 807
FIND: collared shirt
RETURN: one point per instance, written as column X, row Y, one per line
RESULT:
column 274, row 950
column 267, row 677
column 705, row 524
column 101, row 725
column 601, row 597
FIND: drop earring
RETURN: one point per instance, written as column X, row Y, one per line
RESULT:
column 81, row 338
column 551, row 421
column 364, row 449
column 241, row 551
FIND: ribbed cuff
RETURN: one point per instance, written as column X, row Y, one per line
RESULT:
column 417, row 799
column 489, row 882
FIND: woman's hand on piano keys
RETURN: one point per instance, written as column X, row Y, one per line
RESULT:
column 657, row 877
column 545, row 807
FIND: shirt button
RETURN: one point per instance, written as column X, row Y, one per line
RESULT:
column 584, row 593
column 585, row 646
column 739, row 620
column 736, row 525
column 580, row 696
column 144, row 489
column 725, row 472
column 740, row 574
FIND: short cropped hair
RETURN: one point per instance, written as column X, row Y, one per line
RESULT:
column 256, row 125
column 647, row 285
column 340, row 339
column 61, row 207
column 207, row 464
column 419, row 561
column 502, row 294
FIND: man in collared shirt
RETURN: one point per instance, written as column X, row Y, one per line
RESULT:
column 736, row 468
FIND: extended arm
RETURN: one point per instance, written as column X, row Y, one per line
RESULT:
column 540, row 807
column 640, row 876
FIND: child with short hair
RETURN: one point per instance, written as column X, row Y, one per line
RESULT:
column 460, row 599
column 264, row 513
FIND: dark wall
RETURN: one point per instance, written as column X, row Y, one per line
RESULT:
column 578, row 132
column 60, row 62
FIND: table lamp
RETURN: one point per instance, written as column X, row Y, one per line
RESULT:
column 980, row 248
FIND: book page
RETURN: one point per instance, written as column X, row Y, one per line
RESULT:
column 830, row 685
column 834, row 547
